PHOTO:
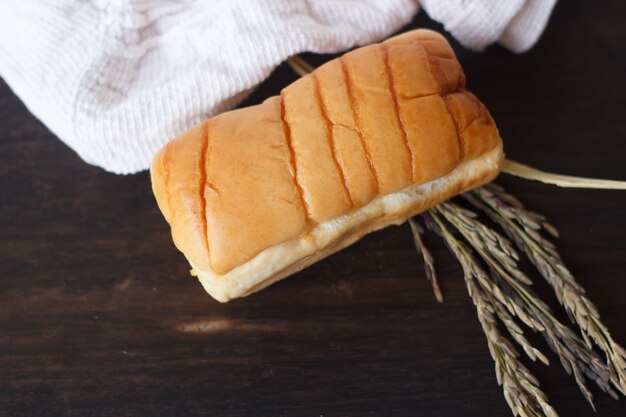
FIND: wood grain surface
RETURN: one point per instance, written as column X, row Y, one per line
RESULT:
column 99, row 316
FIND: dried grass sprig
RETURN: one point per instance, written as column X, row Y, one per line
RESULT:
column 429, row 261
column 523, row 228
column 521, row 389
column 567, row 181
column 510, row 286
column 299, row 65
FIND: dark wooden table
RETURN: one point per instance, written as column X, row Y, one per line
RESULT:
column 99, row 316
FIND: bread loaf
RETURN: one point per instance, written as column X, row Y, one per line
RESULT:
column 366, row 140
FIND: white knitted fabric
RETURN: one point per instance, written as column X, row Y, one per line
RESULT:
column 117, row 79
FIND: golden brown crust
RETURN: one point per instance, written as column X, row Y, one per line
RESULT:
column 318, row 171
column 280, row 261
column 177, row 178
column 348, row 140
column 253, row 202
column 376, row 117
column 377, row 120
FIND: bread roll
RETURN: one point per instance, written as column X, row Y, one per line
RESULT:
column 365, row 141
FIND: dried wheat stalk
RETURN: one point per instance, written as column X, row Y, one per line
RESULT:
column 521, row 388
column 501, row 292
column 523, row 228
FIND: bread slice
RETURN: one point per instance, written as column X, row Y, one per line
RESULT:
column 367, row 140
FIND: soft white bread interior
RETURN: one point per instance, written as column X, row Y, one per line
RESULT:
column 366, row 140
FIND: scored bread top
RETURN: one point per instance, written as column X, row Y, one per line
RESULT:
column 378, row 119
